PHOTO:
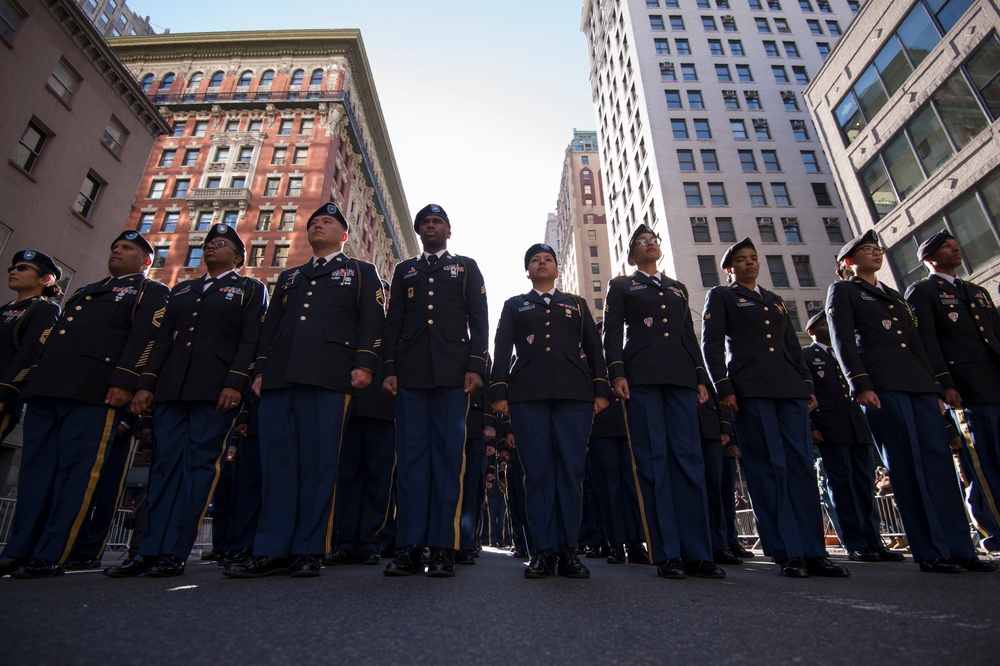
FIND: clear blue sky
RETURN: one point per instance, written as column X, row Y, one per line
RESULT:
column 480, row 100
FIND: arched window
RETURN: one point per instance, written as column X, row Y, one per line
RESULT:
column 168, row 80
column 317, row 77
column 216, row 80
column 266, row 78
column 146, row 82
column 297, row 77
column 245, row 78
column 194, row 82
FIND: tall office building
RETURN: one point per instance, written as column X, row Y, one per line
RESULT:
column 584, row 260
column 113, row 18
column 266, row 127
column 705, row 137
column 908, row 107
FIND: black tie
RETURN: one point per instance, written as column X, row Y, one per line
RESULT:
column 321, row 262
column 432, row 259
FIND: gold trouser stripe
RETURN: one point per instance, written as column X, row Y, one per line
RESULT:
column 978, row 471
column 333, row 501
column 121, row 489
column 215, row 480
column 392, row 478
column 638, row 488
column 95, row 474
column 461, row 476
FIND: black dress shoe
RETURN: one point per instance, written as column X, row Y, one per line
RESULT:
column 134, row 567
column 305, row 566
column 975, row 564
column 725, row 556
column 741, row 552
column 542, row 565
column 237, row 556
column 864, row 555
column 618, row 555
column 442, row 564
column 466, row 556
column 591, row 552
column 941, row 565
column 338, row 557
column 167, row 566
column 36, row 568
column 408, row 562
column 10, row 564
column 370, row 557
column 83, row 564
column 570, row 566
column 214, row 556
column 672, row 568
column 887, row 555
column 520, row 554
column 637, row 553
column 794, row 568
column 258, row 567
column 703, row 569
column 823, row 566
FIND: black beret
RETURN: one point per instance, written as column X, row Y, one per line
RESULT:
column 227, row 232
column 136, row 239
column 329, row 209
column 933, row 244
column 727, row 256
column 428, row 210
column 640, row 230
column 868, row 237
column 535, row 249
column 42, row 261
column 815, row 319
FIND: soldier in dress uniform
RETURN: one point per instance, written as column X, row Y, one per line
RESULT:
column 436, row 342
column 551, row 391
column 756, row 364
column 658, row 370
column 364, row 476
column 716, row 432
column 959, row 327
column 480, row 427
column 88, row 371
column 320, row 342
column 876, row 339
column 841, row 434
column 197, row 375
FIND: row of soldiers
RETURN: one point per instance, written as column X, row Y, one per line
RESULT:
column 325, row 348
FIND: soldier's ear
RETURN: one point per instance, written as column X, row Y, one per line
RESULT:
column 449, row 233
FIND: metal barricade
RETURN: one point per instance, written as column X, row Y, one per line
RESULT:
column 120, row 535
column 7, row 505
column 890, row 522
column 204, row 539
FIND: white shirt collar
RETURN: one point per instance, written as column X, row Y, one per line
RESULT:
column 440, row 253
column 218, row 277
column 330, row 257
column 657, row 275
column 944, row 276
column 543, row 294
column 821, row 345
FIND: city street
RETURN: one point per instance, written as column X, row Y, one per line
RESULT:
column 488, row 613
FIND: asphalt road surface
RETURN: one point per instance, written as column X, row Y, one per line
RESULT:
column 886, row 613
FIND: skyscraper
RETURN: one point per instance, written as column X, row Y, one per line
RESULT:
column 113, row 18
column 705, row 137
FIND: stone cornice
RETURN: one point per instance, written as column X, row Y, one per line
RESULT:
column 92, row 44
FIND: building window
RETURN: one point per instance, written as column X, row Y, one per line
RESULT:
column 805, row 5
column 10, row 19
column 662, row 46
column 232, row 126
column 593, row 250
column 730, row 100
column 264, row 220
column 667, row 71
column 757, row 196
column 255, row 125
column 200, row 127
column 709, row 273
column 245, row 77
column 204, row 221
column 673, row 98
column 780, row 192
column 287, row 220
column 255, row 259
column 596, row 286
column 717, row 194
column 280, row 256
column 729, row 23
column 216, row 80
column 762, row 25
column 221, row 154
column 793, row 316
column 301, row 156
column 702, row 129
column 191, row 157
column 231, row 217
column 695, row 100
column 790, row 101
column 809, row 161
column 285, row 127
column 178, row 129
column 823, row 48
column 679, row 128
column 685, row 158
column 780, row 74
column 747, row 161
column 822, row 195
column 799, row 130
column 771, row 49
column 803, row 270
column 238, row 182
column 278, row 157
column 700, row 230
column 246, row 154
column 146, row 83
column 193, row 83
column 167, row 158
column 306, row 127
column 145, row 222
column 833, row 27
column 776, row 266
column 739, row 129
column 709, row 161
column 801, row 76
column 715, row 47
column 683, row 46
column 160, row 253
column 814, row 27
column 656, row 23
column 791, row 228
column 708, row 24
column 294, row 187
column 114, row 136
column 193, row 257
column 180, row 189
column 688, row 72
column 791, row 50
column 770, row 159
column 271, row 187
column 765, row 227
column 761, row 129
column 595, row 269
column 833, row 231
column 753, row 100
column 724, row 225
column 692, row 194
column 156, row 189
column 64, row 81
column 29, row 147
column 743, row 74
column 736, row 47
column 214, row 182
column 676, row 22
column 170, row 222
